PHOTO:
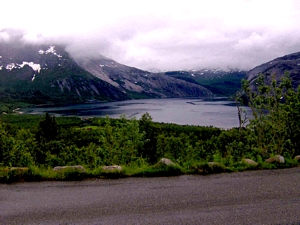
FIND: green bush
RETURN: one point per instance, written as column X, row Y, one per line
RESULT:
column 160, row 170
column 69, row 174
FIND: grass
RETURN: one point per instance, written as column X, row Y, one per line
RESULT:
column 34, row 173
column 87, row 128
column 28, row 121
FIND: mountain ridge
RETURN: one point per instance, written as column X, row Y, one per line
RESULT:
column 132, row 79
column 276, row 68
column 44, row 73
column 49, row 72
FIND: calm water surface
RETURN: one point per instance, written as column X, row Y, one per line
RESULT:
column 216, row 112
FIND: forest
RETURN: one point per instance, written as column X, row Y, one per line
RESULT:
column 31, row 146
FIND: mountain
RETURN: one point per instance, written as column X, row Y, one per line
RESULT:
column 219, row 82
column 277, row 67
column 47, row 74
column 139, row 83
column 42, row 74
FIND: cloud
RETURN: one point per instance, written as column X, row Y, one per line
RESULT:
column 161, row 34
column 4, row 36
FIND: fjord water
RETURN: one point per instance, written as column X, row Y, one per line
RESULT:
column 217, row 112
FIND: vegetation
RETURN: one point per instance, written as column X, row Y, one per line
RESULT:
column 10, row 107
column 223, row 84
column 36, row 144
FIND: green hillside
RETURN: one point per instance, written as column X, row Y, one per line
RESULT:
column 220, row 83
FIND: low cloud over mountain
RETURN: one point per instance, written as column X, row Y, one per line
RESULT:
column 156, row 34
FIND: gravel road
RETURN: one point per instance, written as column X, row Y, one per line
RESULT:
column 253, row 197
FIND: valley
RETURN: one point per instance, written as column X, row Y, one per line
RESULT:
column 192, row 125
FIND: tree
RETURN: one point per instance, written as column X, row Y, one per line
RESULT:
column 275, row 108
column 121, row 142
column 5, row 145
column 149, row 149
column 48, row 129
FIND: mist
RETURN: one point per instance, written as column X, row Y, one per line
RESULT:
column 160, row 35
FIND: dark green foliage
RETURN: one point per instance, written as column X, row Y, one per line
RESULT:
column 149, row 150
column 114, row 174
column 213, row 168
column 226, row 85
column 160, row 170
column 48, row 129
column 22, row 121
column 69, row 174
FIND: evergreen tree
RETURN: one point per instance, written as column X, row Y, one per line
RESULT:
column 48, row 129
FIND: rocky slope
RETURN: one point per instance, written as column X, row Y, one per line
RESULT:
column 138, row 82
column 277, row 67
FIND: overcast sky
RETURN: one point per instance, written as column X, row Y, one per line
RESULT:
column 162, row 34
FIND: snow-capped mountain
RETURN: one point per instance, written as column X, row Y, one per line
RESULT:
column 48, row 74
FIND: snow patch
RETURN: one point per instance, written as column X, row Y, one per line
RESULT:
column 0, row 57
column 32, row 79
column 52, row 50
column 193, row 75
column 35, row 67
column 101, row 65
column 41, row 52
column 1, row 67
column 10, row 66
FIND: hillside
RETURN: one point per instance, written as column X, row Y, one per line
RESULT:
column 42, row 74
column 219, row 82
column 139, row 83
column 277, row 67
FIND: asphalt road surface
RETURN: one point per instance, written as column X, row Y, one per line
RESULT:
column 253, row 197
